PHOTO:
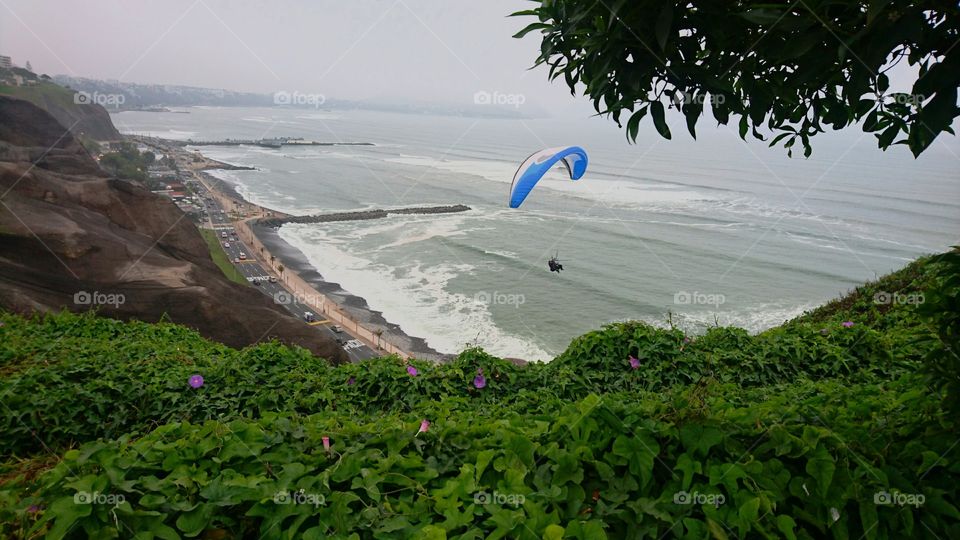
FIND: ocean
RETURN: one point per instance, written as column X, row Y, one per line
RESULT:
column 683, row 232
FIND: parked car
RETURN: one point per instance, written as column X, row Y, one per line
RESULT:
column 226, row 244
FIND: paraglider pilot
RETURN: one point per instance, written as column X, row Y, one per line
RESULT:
column 555, row 265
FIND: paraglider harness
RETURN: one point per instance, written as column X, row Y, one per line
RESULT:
column 554, row 264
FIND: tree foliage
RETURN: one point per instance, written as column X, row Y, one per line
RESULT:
column 792, row 69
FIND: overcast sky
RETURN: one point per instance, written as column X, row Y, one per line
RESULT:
column 424, row 50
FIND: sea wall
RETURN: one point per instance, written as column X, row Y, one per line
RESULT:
column 307, row 294
column 362, row 215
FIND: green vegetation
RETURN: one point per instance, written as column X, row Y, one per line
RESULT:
column 127, row 162
column 823, row 427
column 220, row 257
column 792, row 69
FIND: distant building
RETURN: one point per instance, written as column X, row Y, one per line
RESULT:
column 6, row 62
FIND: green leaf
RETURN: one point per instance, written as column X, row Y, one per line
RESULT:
column 786, row 525
column 633, row 125
column 531, row 27
column 657, row 111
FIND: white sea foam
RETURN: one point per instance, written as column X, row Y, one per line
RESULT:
column 413, row 295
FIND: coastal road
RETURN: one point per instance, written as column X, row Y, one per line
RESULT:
column 251, row 269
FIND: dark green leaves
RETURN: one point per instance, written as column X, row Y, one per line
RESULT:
column 656, row 111
column 797, row 68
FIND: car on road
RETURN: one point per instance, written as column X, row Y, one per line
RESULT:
column 309, row 317
column 236, row 260
column 337, row 328
column 223, row 234
column 256, row 282
column 226, row 244
column 272, row 279
column 243, row 255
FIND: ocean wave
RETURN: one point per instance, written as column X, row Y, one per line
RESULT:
column 413, row 295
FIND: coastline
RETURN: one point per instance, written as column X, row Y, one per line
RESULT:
column 355, row 306
column 294, row 261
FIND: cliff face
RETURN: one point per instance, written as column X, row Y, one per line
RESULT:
column 73, row 237
column 88, row 119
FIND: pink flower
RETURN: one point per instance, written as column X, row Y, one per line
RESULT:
column 326, row 443
column 424, row 427
column 412, row 371
column 847, row 324
column 634, row 363
column 479, row 381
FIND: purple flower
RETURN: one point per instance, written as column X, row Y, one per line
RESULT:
column 479, row 381
column 634, row 363
column 326, row 443
column 847, row 324
column 33, row 509
column 351, row 381
column 412, row 371
column 196, row 381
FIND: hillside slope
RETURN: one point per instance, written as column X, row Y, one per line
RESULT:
column 820, row 428
column 88, row 119
column 75, row 238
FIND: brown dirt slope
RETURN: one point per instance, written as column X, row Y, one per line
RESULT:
column 67, row 228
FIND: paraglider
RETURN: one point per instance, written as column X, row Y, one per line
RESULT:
column 534, row 167
column 554, row 264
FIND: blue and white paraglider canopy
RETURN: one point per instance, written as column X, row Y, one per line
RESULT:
column 535, row 166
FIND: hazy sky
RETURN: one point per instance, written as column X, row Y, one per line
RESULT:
column 423, row 50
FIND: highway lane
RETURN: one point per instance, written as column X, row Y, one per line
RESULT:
column 255, row 272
